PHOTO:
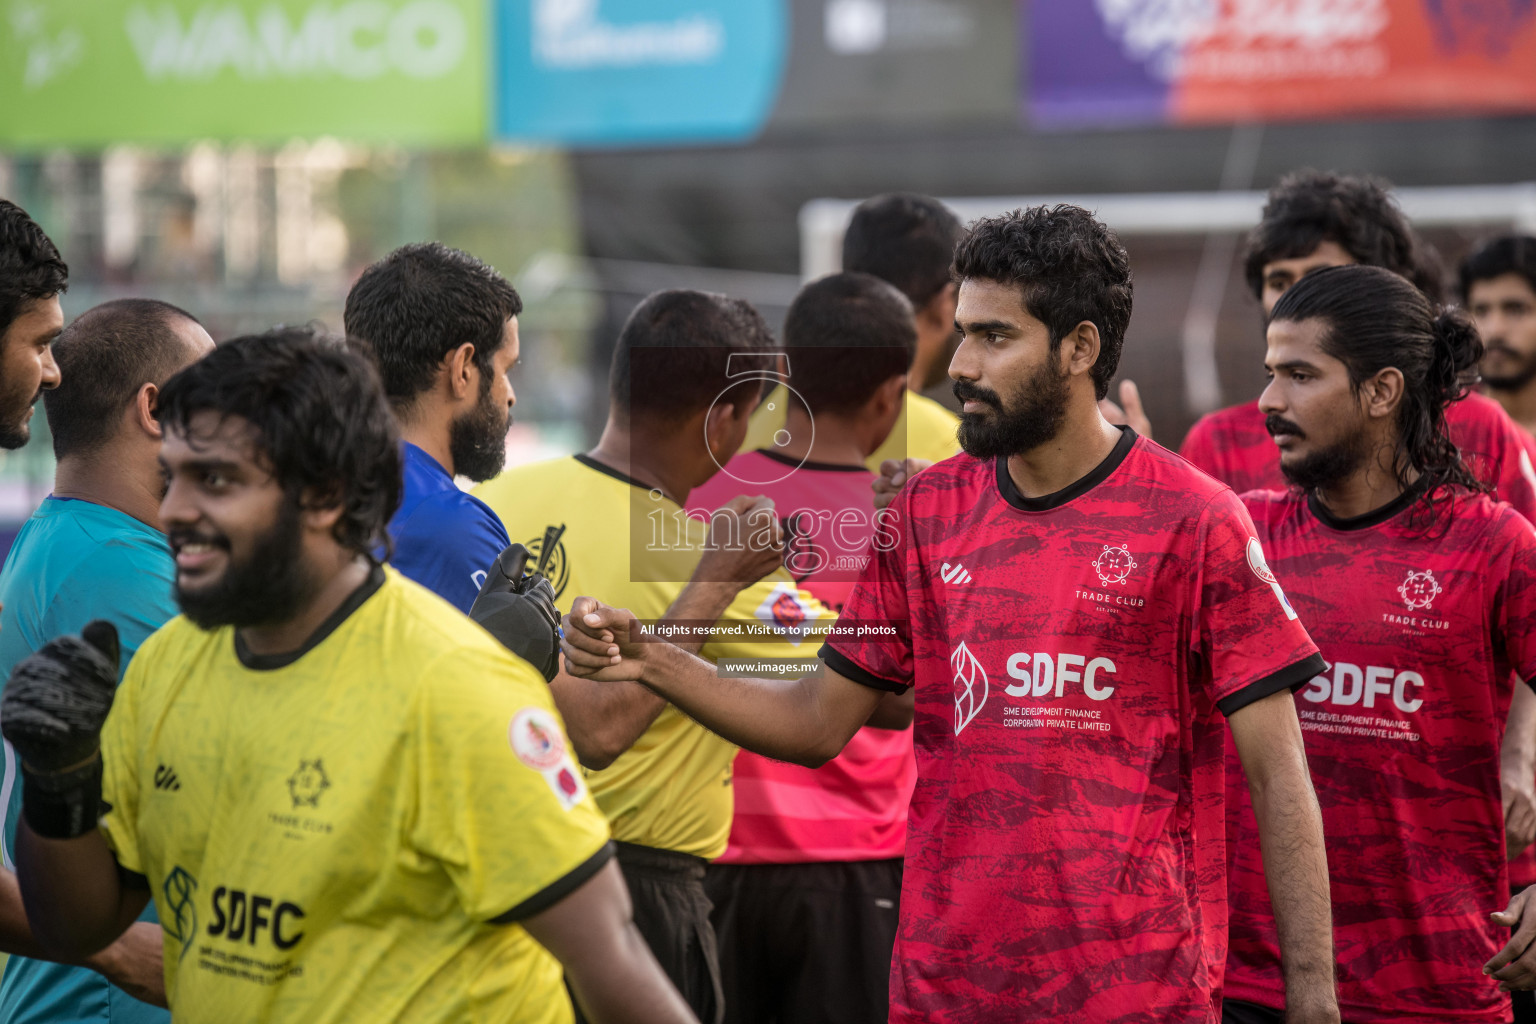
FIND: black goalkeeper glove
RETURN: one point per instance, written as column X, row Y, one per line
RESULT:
column 52, row 713
column 519, row 610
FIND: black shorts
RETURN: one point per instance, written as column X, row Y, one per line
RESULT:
column 806, row 943
column 672, row 915
column 1236, row 1011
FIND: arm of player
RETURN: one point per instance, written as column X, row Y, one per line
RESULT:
column 805, row 721
column 1268, row 738
column 612, row 971
column 133, row 963
column 606, row 719
column 1517, row 771
column 73, row 894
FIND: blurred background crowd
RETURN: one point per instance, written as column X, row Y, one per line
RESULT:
column 245, row 159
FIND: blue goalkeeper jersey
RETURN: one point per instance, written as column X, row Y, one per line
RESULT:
column 444, row 539
column 72, row 562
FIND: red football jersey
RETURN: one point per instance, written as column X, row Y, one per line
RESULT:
column 854, row 807
column 1064, row 855
column 1421, row 631
column 1233, row 446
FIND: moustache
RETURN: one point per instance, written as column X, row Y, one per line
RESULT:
column 1492, row 345
column 1274, row 424
column 967, row 391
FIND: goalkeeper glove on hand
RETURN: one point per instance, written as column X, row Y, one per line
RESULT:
column 519, row 610
column 55, row 704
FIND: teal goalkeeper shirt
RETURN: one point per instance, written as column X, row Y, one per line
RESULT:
column 72, row 562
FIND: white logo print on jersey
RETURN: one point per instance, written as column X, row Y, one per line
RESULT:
column 954, row 574
column 1114, row 564
column 1261, row 570
column 970, row 686
column 1419, row 590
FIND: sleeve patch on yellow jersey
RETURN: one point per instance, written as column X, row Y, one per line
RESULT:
column 785, row 613
column 538, row 743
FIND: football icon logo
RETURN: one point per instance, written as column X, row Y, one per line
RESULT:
column 1419, row 590
column 1114, row 564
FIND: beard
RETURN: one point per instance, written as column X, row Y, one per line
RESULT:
column 15, row 431
column 1323, row 466
column 477, row 441
column 1033, row 416
column 1522, row 368
column 264, row 588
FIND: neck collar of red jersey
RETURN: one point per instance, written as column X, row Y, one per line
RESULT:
column 1076, row 489
column 1375, row 517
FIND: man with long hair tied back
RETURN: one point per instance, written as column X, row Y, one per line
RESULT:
column 1418, row 589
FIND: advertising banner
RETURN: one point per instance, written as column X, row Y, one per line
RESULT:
column 634, row 72
column 1204, row 61
column 93, row 72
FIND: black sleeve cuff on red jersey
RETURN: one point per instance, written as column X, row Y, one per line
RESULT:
column 1288, row 678
column 846, row 667
column 558, row 890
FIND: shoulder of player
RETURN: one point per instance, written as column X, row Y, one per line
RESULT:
column 522, row 488
column 1233, row 421
column 430, row 638
column 456, row 511
column 1478, row 423
column 923, row 411
column 957, row 472
column 1174, row 471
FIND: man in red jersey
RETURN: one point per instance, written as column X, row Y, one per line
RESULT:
column 1498, row 288
column 1062, row 856
column 1421, row 594
column 1316, row 219
column 806, row 894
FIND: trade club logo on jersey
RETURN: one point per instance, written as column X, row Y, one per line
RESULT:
column 537, row 741
column 1114, row 564
column 1419, row 590
column 307, row 783
column 970, row 686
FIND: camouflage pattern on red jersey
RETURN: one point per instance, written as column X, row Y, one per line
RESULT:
column 1063, row 848
column 1421, row 631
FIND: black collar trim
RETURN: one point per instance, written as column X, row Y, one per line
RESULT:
column 1397, row 506
column 607, row 470
column 820, row 467
column 354, row 601
column 1056, row 499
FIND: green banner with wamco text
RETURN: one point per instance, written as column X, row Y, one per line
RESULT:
column 94, row 72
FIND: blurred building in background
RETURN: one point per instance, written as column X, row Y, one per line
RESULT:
column 246, row 158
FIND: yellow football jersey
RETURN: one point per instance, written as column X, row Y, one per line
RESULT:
column 924, row 430
column 333, row 835
column 628, row 546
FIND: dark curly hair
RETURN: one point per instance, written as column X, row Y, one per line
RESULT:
column 1355, row 212
column 1374, row 319
column 1069, row 268
column 421, row 302
column 905, row 239
column 30, row 265
column 1495, row 257
column 323, row 422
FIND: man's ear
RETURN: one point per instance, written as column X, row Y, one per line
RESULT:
column 1382, row 394
column 1080, row 348
column 888, row 396
column 720, row 423
column 463, row 374
column 145, row 410
column 320, row 512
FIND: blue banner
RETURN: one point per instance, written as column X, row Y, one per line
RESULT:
column 636, row 72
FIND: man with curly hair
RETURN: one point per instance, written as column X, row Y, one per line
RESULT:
column 1077, row 610
column 32, row 277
